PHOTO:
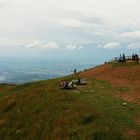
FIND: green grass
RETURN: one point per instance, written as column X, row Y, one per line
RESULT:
column 42, row 111
column 130, row 64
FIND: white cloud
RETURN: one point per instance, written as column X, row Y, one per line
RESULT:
column 73, row 47
column 132, row 36
column 15, row 43
column 111, row 45
column 130, row 46
column 51, row 45
column 133, row 46
column 33, row 23
column 10, row 42
column 37, row 44
column 70, row 22
column 80, row 47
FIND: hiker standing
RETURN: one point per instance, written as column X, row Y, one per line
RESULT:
column 123, row 57
column 75, row 71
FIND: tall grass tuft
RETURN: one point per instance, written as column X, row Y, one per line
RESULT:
column 107, row 134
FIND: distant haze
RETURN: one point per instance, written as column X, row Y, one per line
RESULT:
column 13, row 70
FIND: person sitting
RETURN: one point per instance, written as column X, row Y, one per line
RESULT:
column 63, row 84
column 70, row 85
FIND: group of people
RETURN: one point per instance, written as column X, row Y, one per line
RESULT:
column 122, row 58
column 64, row 84
column 135, row 57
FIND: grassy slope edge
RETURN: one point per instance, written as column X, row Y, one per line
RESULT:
column 41, row 111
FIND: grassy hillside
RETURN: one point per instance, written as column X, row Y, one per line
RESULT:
column 96, row 111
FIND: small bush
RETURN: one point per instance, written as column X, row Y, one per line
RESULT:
column 87, row 119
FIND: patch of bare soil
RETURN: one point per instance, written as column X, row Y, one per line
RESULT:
column 138, row 121
column 119, row 76
column 132, row 132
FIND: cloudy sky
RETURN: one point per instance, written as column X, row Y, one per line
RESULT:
column 90, row 29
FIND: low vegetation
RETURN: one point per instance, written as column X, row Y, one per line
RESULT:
column 42, row 111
